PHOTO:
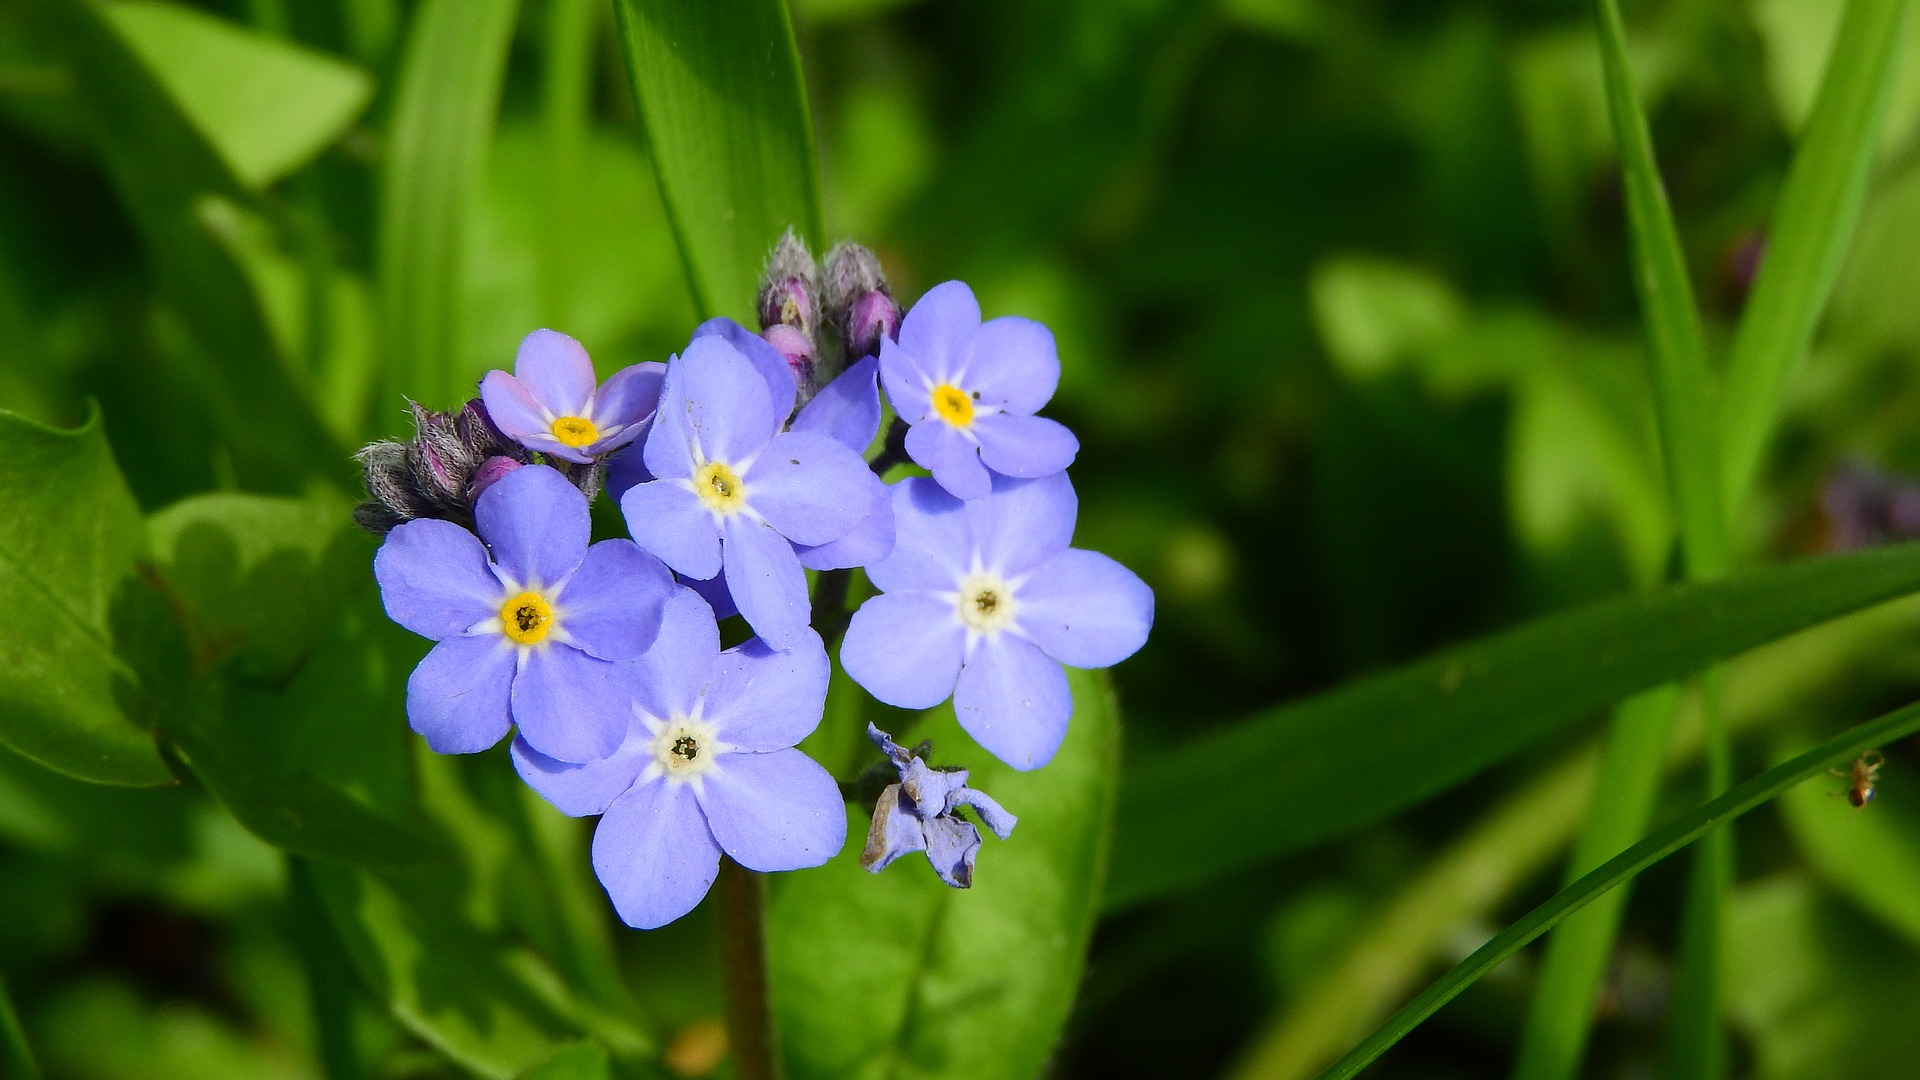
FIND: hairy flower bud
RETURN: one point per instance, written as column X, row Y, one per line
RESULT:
column 802, row 358
column 790, row 292
column 860, row 305
column 434, row 474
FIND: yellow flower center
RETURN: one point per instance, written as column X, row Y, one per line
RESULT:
column 719, row 488
column 575, row 430
column 953, row 404
column 527, row 618
column 986, row 603
column 684, row 747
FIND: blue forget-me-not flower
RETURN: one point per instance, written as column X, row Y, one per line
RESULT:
column 919, row 814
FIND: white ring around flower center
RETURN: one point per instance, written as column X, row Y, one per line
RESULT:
column 686, row 747
column 986, row 603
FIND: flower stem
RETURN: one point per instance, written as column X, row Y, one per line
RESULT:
column 893, row 451
column 743, row 948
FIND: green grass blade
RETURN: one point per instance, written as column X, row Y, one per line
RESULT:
column 719, row 88
column 1811, row 225
column 1695, row 1047
column 565, row 103
column 1664, row 841
column 436, row 154
column 1283, row 778
column 1680, row 380
column 1555, row 1037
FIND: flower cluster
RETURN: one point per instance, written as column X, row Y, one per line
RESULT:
column 738, row 466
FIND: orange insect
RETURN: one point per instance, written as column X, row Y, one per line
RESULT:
column 1861, row 778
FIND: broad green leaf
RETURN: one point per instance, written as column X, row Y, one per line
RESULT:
column 173, row 184
column 895, row 975
column 1663, row 842
column 720, row 92
column 463, row 992
column 267, row 106
column 1284, row 778
column 436, row 158
column 69, row 536
column 265, row 661
column 1812, row 224
column 578, row 1061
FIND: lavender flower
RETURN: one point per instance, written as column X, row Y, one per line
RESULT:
column 550, row 402
column 919, row 814
column 708, row 766
column 527, row 636
column 970, row 390
column 984, row 600
column 733, row 493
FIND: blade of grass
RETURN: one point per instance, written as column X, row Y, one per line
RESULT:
column 1695, row 1046
column 719, row 89
column 436, row 154
column 565, row 106
column 1663, row 842
column 1434, row 723
column 1812, row 223
column 1555, row 1037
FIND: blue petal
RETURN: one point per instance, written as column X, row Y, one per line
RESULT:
column 570, row 706
column 846, row 410
column 904, row 648
column 627, row 469
column 628, row 401
column 536, row 523
column 868, row 542
column 895, row 831
column 580, row 790
column 952, row 458
column 669, row 678
column 765, row 579
column 458, row 697
column 1014, row 701
column 774, row 811
column 668, row 522
column 762, row 700
column 932, row 542
column 654, row 854
column 766, row 360
column 810, row 488
column 1024, row 446
column 1085, row 609
column 936, row 330
column 610, row 607
column 434, row 578
column 714, row 407
column 1023, row 523
column 556, row 371
column 1012, row 364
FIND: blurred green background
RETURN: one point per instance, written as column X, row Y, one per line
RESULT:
column 1347, row 328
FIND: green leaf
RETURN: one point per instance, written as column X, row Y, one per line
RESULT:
column 67, row 539
column 443, row 117
column 1555, row 1038
column 720, row 91
column 1665, row 841
column 464, row 993
column 1283, row 779
column 267, row 106
column 17, row 1054
column 1811, row 226
column 180, row 193
column 1680, row 379
column 579, row 1061
column 266, row 662
column 896, row 975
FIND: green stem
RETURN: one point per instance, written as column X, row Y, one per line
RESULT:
column 13, row 1039
column 743, row 947
column 1665, row 841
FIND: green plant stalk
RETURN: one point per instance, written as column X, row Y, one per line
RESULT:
column 1812, row 224
column 444, row 108
column 1664, row 841
column 743, row 948
column 330, row 978
column 565, row 93
column 1555, row 1036
column 1695, row 1047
